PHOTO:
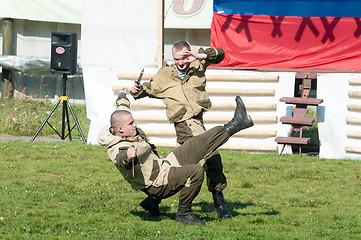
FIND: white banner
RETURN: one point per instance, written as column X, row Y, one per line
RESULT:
column 188, row 13
column 117, row 36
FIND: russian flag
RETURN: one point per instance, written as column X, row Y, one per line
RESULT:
column 301, row 34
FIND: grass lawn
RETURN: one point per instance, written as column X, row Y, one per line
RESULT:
column 69, row 190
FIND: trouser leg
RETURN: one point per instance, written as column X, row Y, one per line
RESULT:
column 193, row 182
column 216, row 180
column 212, row 138
column 212, row 164
column 201, row 146
column 187, row 179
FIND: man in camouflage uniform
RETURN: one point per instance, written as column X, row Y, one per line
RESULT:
column 139, row 163
column 182, row 88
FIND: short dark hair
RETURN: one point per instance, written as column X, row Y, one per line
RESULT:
column 116, row 119
column 179, row 45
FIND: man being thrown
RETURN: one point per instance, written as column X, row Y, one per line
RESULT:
column 139, row 163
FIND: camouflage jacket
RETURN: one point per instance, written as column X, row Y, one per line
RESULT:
column 187, row 97
column 149, row 168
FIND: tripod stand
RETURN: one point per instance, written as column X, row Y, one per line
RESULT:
column 66, row 104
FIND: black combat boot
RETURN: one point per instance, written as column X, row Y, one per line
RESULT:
column 220, row 205
column 152, row 206
column 185, row 215
column 241, row 119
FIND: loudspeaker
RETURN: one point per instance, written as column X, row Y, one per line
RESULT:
column 63, row 52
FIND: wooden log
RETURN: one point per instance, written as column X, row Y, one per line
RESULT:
column 261, row 107
column 243, row 134
column 150, row 118
column 147, row 105
column 134, row 76
column 354, row 94
column 353, row 120
column 354, row 81
column 243, row 78
column 207, row 119
column 225, row 119
column 226, row 91
column 240, row 91
column 220, row 106
column 354, row 107
column 353, row 134
column 223, row 106
column 237, row 147
column 160, row 133
column 353, row 149
column 249, row 107
column 251, row 148
column 211, row 78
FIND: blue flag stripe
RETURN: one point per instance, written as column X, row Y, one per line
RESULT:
column 299, row 8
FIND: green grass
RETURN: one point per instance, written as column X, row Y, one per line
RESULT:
column 69, row 190
column 23, row 117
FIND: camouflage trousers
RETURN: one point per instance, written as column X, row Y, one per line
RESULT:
column 187, row 179
column 212, row 163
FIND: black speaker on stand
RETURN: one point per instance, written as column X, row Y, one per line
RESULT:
column 63, row 60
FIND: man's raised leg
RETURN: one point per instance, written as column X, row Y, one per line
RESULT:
column 199, row 147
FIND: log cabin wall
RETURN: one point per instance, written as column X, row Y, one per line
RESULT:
column 353, row 117
column 260, row 92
